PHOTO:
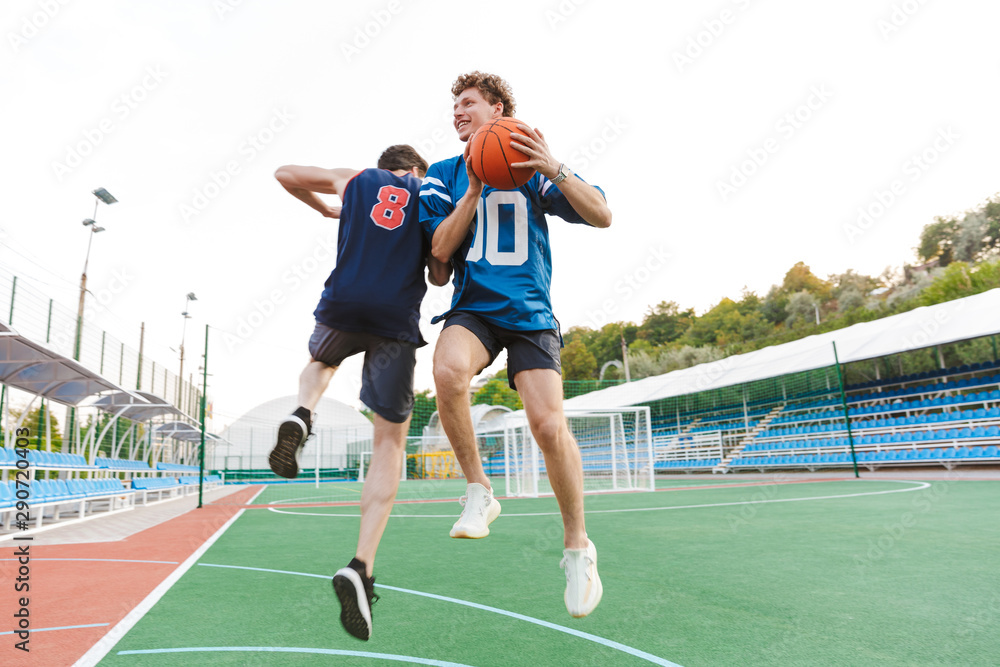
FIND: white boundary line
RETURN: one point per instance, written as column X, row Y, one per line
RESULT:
column 104, row 560
column 65, row 627
column 99, row 650
column 295, row 649
column 920, row 486
column 96, row 515
column 66, row 522
column 649, row 657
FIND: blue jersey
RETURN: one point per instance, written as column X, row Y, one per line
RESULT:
column 503, row 269
column 378, row 282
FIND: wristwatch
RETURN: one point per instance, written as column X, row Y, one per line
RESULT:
column 561, row 176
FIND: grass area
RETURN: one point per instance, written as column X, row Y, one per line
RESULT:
column 700, row 575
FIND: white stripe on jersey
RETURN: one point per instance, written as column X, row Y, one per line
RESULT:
column 432, row 191
column 432, row 181
column 546, row 184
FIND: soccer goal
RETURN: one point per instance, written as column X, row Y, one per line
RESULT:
column 364, row 461
column 616, row 445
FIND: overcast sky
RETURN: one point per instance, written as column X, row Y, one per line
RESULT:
column 733, row 139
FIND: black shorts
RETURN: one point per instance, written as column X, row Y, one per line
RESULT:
column 387, row 376
column 526, row 350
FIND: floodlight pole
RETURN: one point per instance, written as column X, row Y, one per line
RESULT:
column 180, row 375
column 204, row 394
column 847, row 414
column 100, row 194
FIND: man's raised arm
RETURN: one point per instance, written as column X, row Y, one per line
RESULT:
column 586, row 200
column 305, row 182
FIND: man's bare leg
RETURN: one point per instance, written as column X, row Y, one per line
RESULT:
column 313, row 381
column 294, row 430
column 381, row 484
column 458, row 356
column 541, row 392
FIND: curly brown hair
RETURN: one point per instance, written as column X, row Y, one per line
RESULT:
column 493, row 89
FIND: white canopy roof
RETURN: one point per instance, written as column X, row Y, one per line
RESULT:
column 32, row 367
column 961, row 319
column 136, row 405
column 182, row 431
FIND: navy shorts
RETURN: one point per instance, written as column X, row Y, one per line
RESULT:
column 526, row 350
column 387, row 376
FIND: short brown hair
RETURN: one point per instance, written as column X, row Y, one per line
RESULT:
column 402, row 156
column 493, row 89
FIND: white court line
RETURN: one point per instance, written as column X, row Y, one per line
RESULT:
column 114, row 635
column 649, row 657
column 307, row 499
column 105, row 560
column 921, row 485
column 65, row 627
column 295, row 649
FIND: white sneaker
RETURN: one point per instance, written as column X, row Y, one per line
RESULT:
column 583, row 585
column 481, row 508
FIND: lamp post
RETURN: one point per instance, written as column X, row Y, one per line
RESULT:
column 180, row 376
column 100, row 195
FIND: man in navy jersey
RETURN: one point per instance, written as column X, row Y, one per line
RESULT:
column 370, row 304
column 497, row 241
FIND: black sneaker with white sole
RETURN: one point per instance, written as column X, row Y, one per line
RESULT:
column 284, row 458
column 356, row 594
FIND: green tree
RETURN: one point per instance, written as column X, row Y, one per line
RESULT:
column 35, row 423
column 607, row 343
column 665, row 323
column 726, row 323
column 496, row 391
column 937, row 240
column 991, row 240
column 800, row 277
column 577, row 362
column 774, row 306
column 850, row 289
column 801, row 309
column 960, row 280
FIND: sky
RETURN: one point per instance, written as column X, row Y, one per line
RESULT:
column 733, row 139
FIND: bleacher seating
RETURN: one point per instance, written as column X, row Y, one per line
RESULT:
column 946, row 417
column 43, row 460
column 170, row 487
column 50, row 498
column 121, row 464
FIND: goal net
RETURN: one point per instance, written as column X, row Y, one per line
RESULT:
column 365, row 460
column 616, row 445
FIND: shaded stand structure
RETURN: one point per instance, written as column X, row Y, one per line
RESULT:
column 47, row 376
column 833, row 400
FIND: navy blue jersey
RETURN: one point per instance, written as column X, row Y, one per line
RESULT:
column 503, row 269
column 378, row 282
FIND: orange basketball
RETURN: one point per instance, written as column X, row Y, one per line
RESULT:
column 492, row 155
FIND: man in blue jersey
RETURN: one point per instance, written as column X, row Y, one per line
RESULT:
column 370, row 304
column 497, row 241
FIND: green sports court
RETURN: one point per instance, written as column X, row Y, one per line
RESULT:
column 784, row 570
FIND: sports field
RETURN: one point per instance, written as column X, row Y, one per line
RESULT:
column 703, row 572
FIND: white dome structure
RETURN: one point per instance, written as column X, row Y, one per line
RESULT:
column 339, row 432
column 487, row 421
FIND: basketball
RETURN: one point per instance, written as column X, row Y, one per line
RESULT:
column 492, row 155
